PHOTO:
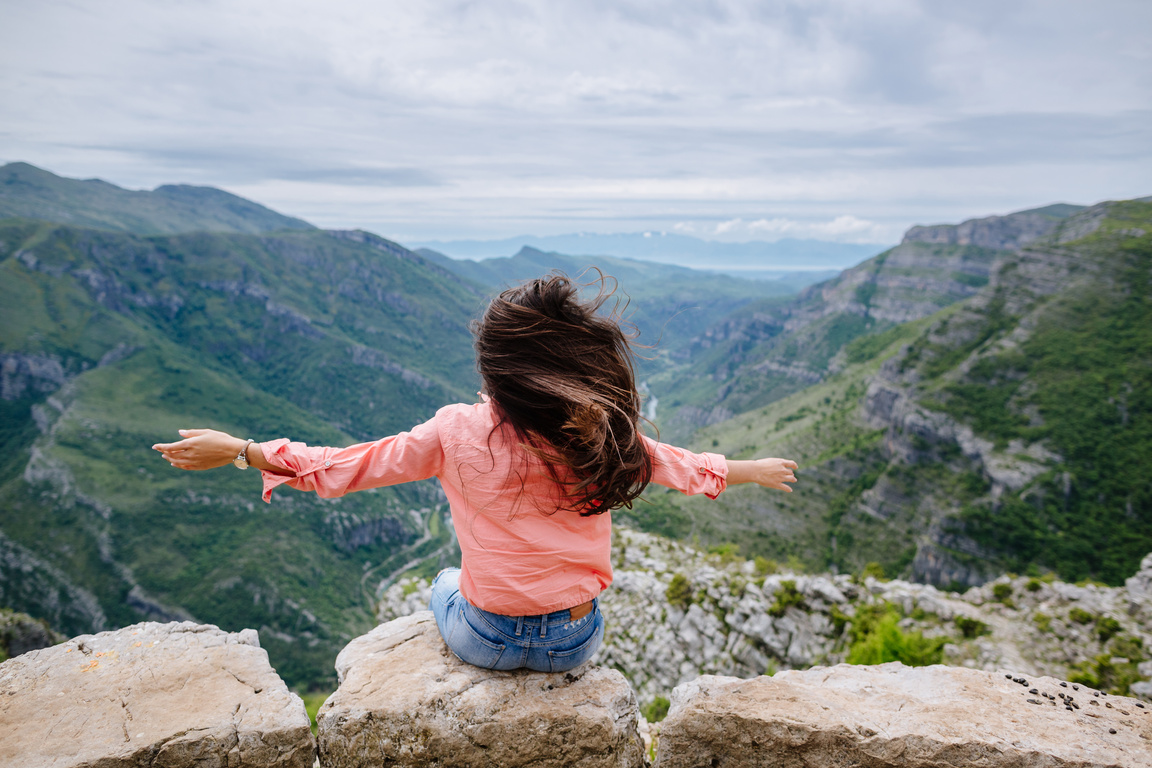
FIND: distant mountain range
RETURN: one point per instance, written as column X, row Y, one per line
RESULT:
column 31, row 192
column 759, row 260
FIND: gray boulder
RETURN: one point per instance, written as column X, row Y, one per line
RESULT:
column 406, row 700
column 156, row 695
column 895, row 716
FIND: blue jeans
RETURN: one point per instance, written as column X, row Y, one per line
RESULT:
column 547, row 643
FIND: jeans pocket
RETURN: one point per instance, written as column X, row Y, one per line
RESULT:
column 562, row 661
column 478, row 651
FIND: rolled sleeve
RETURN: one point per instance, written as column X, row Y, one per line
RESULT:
column 687, row 472
column 332, row 472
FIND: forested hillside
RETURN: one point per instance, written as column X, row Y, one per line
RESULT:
column 111, row 341
column 770, row 349
column 1008, row 431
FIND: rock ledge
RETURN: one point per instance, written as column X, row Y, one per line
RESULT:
column 406, row 700
column 156, row 695
column 892, row 715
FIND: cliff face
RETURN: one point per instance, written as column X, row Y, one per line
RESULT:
column 1003, row 233
column 1001, row 390
column 772, row 349
column 963, row 444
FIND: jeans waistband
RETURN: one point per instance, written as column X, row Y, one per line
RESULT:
column 514, row 625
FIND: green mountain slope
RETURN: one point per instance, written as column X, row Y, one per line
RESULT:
column 30, row 192
column 111, row 341
column 1009, row 431
column 771, row 349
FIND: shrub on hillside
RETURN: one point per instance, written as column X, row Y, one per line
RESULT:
column 877, row 639
column 787, row 596
column 679, row 592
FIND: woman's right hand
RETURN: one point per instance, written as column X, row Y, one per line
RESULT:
column 770, row 473
column 201, row 449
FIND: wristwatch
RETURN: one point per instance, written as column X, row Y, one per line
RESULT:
column 241, row 460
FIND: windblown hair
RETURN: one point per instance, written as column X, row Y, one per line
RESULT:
column 561, row 375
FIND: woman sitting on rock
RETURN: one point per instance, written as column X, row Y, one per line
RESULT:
column 531, row 474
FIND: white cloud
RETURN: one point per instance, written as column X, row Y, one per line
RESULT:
column 843, row 228
column 510, row 116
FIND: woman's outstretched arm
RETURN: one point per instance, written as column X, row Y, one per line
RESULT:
column 209, row 448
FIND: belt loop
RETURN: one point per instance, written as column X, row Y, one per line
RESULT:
column 544, row 626
column 519, row 625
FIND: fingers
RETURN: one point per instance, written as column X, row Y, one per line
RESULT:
column 180, row 445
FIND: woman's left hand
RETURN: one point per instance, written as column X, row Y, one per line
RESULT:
column 201, row 449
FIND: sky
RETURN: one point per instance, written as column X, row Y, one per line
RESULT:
column 728, row 120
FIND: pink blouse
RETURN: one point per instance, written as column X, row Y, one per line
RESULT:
column 521, row 556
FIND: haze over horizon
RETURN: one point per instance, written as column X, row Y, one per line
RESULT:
column 728, row 121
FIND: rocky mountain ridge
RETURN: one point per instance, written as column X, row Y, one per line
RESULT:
column 969, row 442
column 771, row 350
column 674, row 613
column 180, row 694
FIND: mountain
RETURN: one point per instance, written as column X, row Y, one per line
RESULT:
column 110, row 341
column 756, row 259
column 973, row 401
column 769, row 350
column 30, row 192
column 1007, row 431
column 668, row 305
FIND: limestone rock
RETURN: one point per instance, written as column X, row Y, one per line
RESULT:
column 895, row 716
column 406, row 700
column 156, row 695
column 1140, row 585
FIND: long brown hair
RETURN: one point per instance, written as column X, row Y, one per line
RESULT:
column 561, row 375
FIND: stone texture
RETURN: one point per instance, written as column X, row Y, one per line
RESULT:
column 156, row 695
column 406, row 700
column 896, row 716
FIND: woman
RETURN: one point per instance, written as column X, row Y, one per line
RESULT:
column 531, row 475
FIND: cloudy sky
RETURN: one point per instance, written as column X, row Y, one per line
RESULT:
column 727, row 119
